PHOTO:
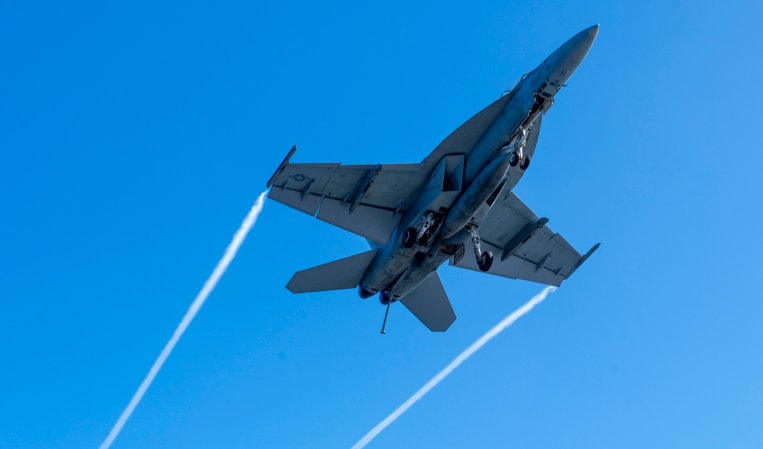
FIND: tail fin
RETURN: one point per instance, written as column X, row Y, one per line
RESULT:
column 430, row 304
column 336, row 275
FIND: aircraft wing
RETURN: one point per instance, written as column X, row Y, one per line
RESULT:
column 523, row 246
column 368, row 200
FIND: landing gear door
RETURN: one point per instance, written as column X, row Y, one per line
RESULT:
column 544, row 96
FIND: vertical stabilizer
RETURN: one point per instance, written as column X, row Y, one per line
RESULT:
column 430, row 304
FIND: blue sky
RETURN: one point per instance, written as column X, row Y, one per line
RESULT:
column 135, row 137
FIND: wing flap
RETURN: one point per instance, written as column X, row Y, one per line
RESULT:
column 369, row 222
column 308, row 204
column 391, row 185
column 515, row 267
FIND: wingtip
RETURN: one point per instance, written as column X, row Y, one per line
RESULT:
column 290, row 285
column 584, row 258
column 590, row 252
column 283, row 165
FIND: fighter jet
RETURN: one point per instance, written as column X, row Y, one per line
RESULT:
column 457, row 205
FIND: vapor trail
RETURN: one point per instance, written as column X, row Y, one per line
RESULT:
column 506, row 322
column 209, row 285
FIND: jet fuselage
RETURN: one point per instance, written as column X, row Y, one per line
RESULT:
column 471, row 182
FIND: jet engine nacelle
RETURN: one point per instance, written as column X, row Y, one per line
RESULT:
column 365, row 293
column 480, row 189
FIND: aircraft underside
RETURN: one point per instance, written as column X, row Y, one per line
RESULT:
column 457, row 205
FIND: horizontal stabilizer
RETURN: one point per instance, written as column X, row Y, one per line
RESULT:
column 336, row 275
column 430, row 304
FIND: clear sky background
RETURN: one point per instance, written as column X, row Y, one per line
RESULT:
column 135, row 137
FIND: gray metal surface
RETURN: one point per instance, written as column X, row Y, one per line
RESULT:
column 463, row 139
column 367, row 200
column 420, row 215
column 370, row 222
column 392, row 187
column 544, row 257
column 430, row 304
column 336, row 275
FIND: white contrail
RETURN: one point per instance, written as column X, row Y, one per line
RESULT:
column 506, row 322
column 209, row 285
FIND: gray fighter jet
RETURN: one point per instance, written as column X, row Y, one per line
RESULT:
column 417, row 216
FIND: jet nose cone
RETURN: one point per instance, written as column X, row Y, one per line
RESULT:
column 592, row 30
column 585, row 40
column 576, row 49
column 588, row 36
column 566, row 58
